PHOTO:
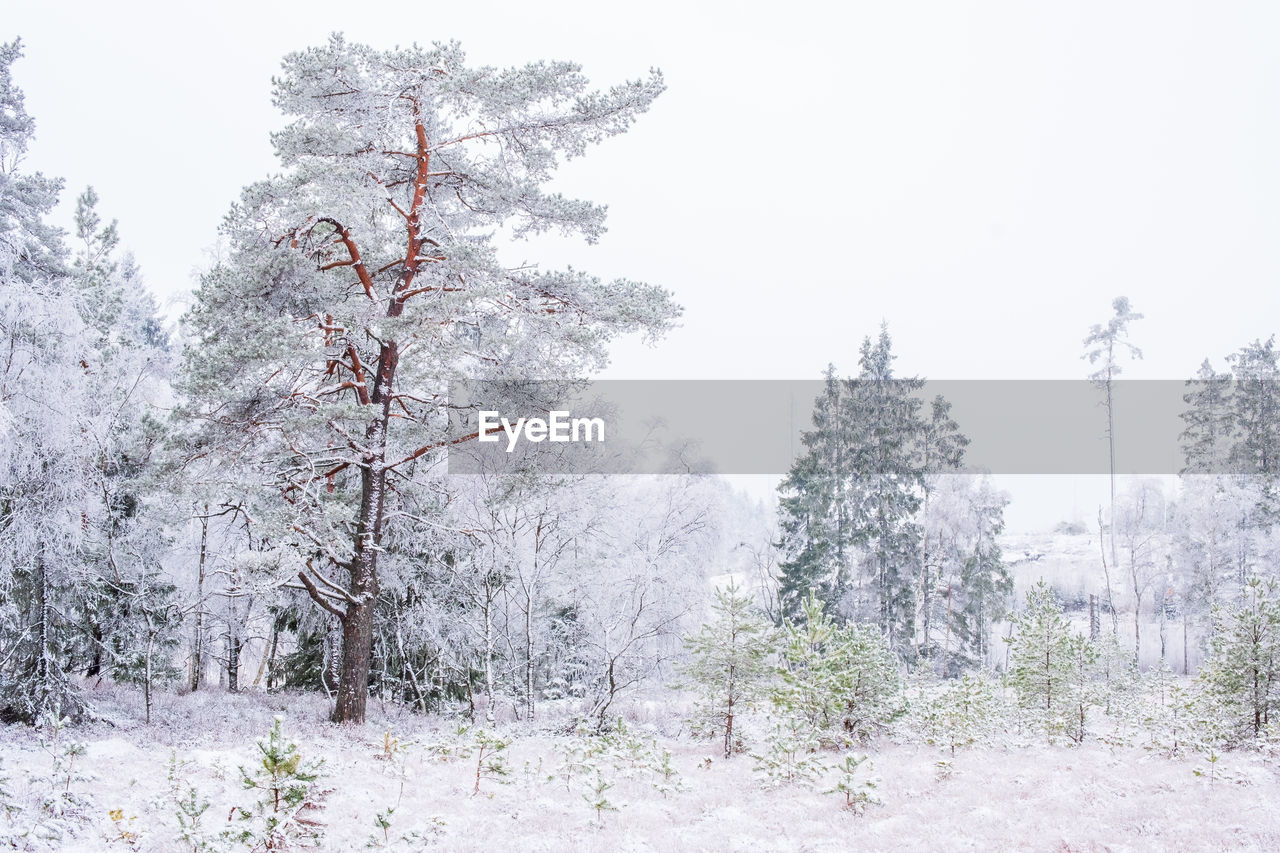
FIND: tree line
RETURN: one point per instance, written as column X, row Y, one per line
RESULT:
column 258, row 494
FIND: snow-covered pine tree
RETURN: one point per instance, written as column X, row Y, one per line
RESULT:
column 729, row 664
column 285, row 784
column 129, row 608
column 842, row 680
column 1104, row 346
column 1243, row 670
column 366, row 276
column 1051, row 666
column 964, row 711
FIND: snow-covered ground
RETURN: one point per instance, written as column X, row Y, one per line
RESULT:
column 1030, row 797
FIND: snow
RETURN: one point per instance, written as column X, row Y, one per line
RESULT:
column 1034, row 797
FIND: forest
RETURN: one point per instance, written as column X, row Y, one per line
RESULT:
column 244, row 604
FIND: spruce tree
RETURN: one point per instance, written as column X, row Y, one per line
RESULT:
column 1256, row 409
column 813, row 509
column 888, row 482
column 1207, row 438
column 985, row 584
column 940, row 451
column 854, row 509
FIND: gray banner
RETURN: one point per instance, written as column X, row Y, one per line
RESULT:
column 754, row 426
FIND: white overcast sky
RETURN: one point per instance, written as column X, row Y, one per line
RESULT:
column 984, row 176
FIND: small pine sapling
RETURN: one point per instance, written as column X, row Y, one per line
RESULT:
column 630, row 754
column 728, row 665
column 1051, row 668
column 284, row 783
column 668, row 779
column 454, row 746
column 491, row 760
column 189, row 808
column 856, row 783
column 1119, row 679
column 577, row 758
column 392, row 754
column 414, row 840
column 961, row 714
column 1242, row 674
column 393, row 749
column 790, row 756
column 841, row 679
column 382, row 820
column 1169, row 716
column 533, row 773
column 596, row 798
column 6, row 800
column 63, row 752
column 1210, row 770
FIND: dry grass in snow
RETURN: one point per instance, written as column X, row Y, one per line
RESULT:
column 1040, row 797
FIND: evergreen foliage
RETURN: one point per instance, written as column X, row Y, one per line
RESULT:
column 791, row 755
column 1051, row 667
column 958, row 712
column 364, row 278
column 857, row 783
column 841, row 680
column 285, row 785
column 79, row 391
column 729, row 665
column 860, row 527
column 1242, row 674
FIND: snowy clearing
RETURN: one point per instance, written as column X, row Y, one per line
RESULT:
column 1034, row 797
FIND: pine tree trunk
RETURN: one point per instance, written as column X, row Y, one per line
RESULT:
column 353, row 674
column 1106, row 573
column 357, row 621
column 1111, row 451
column 95, row 663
